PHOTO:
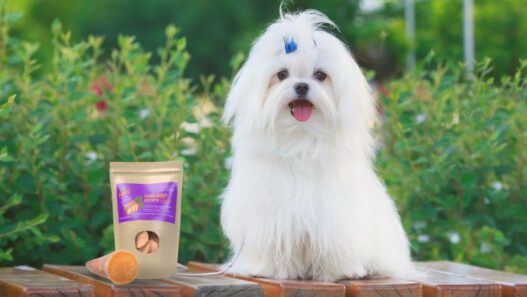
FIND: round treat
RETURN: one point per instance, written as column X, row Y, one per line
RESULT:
column 153, row 241
column 145, row 248
column 141, row 239
column 153, row 236
column 153, row 245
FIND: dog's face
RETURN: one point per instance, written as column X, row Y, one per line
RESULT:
column 301, row 89
column 299, row 82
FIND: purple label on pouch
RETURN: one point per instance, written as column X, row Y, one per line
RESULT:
column 155, row 202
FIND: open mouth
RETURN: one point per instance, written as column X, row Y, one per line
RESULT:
column 301, row 109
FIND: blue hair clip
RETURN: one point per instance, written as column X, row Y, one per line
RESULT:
column 290, row 45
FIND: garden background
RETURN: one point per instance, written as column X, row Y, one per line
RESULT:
column 77, row 90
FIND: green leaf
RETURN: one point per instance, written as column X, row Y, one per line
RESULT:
column 5, row 255
column 181, row 44
column 171, row 31
column 4, row 155
column 23, row 226
column 12, row 201
column 7, row 105
column 56, row 27
column 107, row 241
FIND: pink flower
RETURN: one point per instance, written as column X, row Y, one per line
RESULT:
column 101, row 106
column 383, row 90
column 99, row 85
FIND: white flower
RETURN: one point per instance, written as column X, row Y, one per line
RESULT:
column 205, row 122
column 191, row 128
column 455, row 118
column 188, row 151
column 423, row 238
column 227, row 163
column 484, row 248
column 454, row 237
column 92, row 156
column 497, row 186
column 370, row 5
column 143, row 113
column 420, row 118
column 419, row 225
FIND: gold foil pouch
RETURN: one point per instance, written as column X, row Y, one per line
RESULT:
column 146, row 199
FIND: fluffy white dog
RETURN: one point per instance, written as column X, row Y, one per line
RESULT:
column 303, row 200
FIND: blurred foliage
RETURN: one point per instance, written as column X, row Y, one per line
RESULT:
column 217, row 30
column 58, row 135
column 454, row 158
column 378, row 37
column 453, row 153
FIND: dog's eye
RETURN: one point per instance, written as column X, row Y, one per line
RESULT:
column 320, row 75
column 282, row 74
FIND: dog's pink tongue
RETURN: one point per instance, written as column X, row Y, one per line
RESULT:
column 302, row 110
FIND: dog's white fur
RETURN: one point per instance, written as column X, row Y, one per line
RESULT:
column 304, row 200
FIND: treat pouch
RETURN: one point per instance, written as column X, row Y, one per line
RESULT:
column 146, row 196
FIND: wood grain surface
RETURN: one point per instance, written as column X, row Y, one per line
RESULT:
column 282, row 288
column 438, row 284
column 513, row 285
column 27, row 281
column 439, row 279
column 381, row 287
column 213, row 285
column 104, row 288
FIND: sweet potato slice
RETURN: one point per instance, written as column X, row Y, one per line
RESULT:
column 120, row 267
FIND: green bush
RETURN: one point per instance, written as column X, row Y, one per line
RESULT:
column 454, row 158
column 64, row 127
column 453, row 152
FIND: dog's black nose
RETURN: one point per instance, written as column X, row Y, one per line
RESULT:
column 301, row 89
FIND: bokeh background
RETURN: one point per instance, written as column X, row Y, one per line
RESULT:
column 83, row 83
column 216, row 30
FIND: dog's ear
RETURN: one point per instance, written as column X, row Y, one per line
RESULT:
column 246, row 96
column 233, row 98
column 356, row 105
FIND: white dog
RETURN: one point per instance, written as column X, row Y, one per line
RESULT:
column 303, row 201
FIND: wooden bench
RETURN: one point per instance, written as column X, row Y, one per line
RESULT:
column 440, row 279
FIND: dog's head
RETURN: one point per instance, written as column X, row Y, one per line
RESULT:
column 299, row 79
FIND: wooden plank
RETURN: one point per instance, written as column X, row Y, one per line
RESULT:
column 282, row 288
column 28, row 281
column 214, row 285
column 105, row 288
column 437, row 284
column 381, row 287
column 513, row 285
